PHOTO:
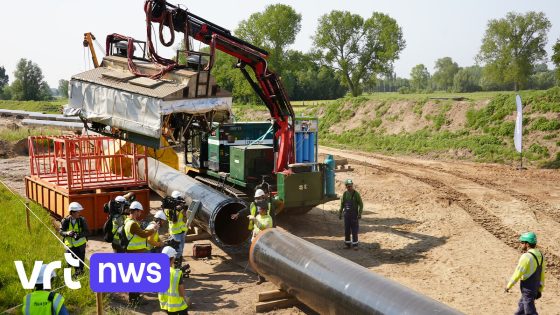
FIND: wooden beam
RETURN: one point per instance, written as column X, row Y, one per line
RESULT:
column 262, row 307
column 273, row 295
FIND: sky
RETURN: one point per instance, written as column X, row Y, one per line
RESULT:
column 50, row 32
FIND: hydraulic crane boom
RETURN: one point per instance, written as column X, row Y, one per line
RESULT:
column 88, row 42
column 268, row 85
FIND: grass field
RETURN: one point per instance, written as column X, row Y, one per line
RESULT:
column 38, row 244
column 49, row 107
column 22, row 133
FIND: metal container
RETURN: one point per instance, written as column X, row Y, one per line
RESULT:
column 251, row 162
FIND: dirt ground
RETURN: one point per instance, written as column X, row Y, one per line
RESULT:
column 447, row 229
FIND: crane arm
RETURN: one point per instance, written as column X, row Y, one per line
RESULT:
column 88, row 42
column 267, row 86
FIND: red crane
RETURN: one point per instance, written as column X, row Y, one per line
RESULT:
column 267, row 86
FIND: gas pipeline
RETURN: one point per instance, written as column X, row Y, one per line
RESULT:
column 330, row 284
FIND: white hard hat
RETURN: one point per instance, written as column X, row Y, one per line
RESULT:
column 259, row 193
column 160, row 215
column 120, row 199
column 135, row 205
column 41, row 278
column 176, row 194
column 169, row 251
column 74, row 206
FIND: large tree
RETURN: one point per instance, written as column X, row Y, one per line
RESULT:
column 63, row 88
column 28, row 84
column 275, row 29
column 556, row 59
column 419, row 77
column 467, row 79
column 445, row 70
column 512, row 46
column 359, row 49
column 3, row 77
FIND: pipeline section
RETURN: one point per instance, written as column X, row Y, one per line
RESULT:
column 330, row 284
column 215, row 213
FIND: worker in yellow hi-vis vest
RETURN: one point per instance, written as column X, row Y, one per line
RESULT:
column 260, row 222
column 173, row 301
column 530, row 270
column 74, row 230
column 42, row 301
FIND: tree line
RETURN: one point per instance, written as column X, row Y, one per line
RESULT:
column 352, row 54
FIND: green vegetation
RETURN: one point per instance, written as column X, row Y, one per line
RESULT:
column 22, row 133
column 487, row 135
column 38, row 244
column 49, row 107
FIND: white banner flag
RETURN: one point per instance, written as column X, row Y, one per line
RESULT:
column 517, row 134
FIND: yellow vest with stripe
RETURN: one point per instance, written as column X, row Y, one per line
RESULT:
column 70, row 241
column 37, row 303
column 116, row 222
column 156, row 235
column 171, row 300
column 254, row 213
column 136, row 242
column 176, row 227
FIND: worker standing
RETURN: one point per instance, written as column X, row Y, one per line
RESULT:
column 261, row 201
column 42, row 301
column 260, row 222
column 177, row 224
column 74, row 230
column 118, row 216
column 530, row 270
column 154, row 244
column 352, row 206
column 137, row 242
column 173, row 301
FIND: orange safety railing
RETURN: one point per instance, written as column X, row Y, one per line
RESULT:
column 77, row 163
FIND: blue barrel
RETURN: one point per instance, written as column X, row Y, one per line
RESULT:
column 305, row 147
column 299, row 147
column 329, row 175
column 311, row 144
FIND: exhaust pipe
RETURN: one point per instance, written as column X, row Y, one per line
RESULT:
column 216, row 208
column 330, row 284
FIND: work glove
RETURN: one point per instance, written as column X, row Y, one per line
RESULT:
column 539, row 294
column 359, row 216
column 70, row 233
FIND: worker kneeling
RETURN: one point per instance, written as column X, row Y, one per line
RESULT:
column 173, row 301
column 260, row 222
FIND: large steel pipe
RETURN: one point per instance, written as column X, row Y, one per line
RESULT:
column 217, row 208
column 330, row 284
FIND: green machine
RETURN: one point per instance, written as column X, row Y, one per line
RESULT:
column 240, row 158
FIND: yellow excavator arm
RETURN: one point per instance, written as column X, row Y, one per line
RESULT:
column 88, row 42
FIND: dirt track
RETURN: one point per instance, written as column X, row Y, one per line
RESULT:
column 446, row 229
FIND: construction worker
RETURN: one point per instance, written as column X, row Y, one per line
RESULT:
column 177, row 224
column 154, row 244
column 74, row 230
column 530, row 270
column 173, row 301
column 352, row 206
column 260, row 222
column 42, row 301
column 261, row 201
column 118, row 220
column 137, row 242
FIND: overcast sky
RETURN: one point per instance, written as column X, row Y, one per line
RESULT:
column 50, row 32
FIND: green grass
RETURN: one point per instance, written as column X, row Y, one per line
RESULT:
column 49, row 107
column 13, row 135
column 38, row 244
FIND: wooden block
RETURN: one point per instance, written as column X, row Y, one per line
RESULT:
column 273, row 295
column 262, row 307
column 202, row 235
